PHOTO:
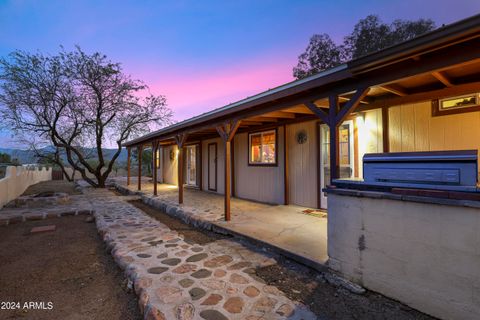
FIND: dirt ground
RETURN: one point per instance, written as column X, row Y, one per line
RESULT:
column 191, row 234
column 304, row 284
column 68, row 267
column 330, row 302
column 53, row 185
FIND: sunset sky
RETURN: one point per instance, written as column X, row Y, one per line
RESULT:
column 202, row 54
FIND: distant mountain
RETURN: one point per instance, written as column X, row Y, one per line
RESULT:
column 28, row 156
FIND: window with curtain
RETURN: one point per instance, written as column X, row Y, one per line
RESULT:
column 262, row 148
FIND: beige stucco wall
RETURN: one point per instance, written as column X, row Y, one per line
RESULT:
column 18, row 179
column 425, row 255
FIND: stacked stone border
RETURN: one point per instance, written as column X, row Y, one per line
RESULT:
column 46, row 214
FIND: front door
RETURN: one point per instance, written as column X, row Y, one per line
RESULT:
column 191, row 165
column 212, row 166
column 346, row 150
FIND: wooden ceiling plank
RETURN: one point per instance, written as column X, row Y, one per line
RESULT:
column 263, row 119
column 302, row 110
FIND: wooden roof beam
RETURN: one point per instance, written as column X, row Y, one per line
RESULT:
column 395, row 89
column 262, row 119
column 301, row 110
column 251, row 123
column 348, row 99
column 423, row 96
column 440, row 76
column 280, row 114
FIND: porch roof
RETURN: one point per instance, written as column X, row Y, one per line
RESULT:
column 412, row 70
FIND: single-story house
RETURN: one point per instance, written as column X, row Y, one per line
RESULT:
column 291, row 144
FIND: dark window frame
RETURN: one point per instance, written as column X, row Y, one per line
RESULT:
column 437, row 111
column 256, row 164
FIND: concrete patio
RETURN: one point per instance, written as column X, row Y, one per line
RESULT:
column 286, row 228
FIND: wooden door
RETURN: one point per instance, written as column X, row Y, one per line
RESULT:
column 212, row 166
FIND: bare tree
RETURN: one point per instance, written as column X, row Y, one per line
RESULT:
column 77, row 101
column 52, row 157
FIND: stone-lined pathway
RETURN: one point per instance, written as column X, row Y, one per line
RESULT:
column 177, row 280
column 194, row 201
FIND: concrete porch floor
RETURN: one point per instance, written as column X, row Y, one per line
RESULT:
column 285, row 227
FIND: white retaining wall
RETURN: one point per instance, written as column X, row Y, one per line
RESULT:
column 424, row 255
column 18, row 179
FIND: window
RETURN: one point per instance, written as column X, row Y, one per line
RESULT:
column 458, row 104
column 262, row 148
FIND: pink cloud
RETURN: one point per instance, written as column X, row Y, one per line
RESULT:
column 192, row 92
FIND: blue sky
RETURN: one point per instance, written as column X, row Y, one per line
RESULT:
column 201, row 54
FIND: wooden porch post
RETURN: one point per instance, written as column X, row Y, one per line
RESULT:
column 200, row 167
column 155, row 168
column 334, row 119
column 180, row 140
column 334, row 138
column 385, row 135
column 286, row 181
column 128, row 165
column 139, row 156
column 232, row 169
column 227, row 132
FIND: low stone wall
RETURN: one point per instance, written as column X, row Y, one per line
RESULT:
column 423, row 254
column 173, row 210
column 18, row 179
